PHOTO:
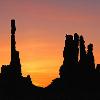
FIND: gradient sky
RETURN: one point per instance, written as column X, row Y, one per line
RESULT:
column 41, row 28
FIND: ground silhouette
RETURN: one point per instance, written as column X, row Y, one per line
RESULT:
column 79, row 76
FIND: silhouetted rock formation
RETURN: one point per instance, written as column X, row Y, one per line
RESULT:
column 12, row 71
column 13, row 86
column 79, row 77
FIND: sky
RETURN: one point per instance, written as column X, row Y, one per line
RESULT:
column 41, row 28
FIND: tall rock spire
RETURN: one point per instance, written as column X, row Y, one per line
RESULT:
column 15, row 60
column 90, row 57
column 76, row 47
column 13, row 42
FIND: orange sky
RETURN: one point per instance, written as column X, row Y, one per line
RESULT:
column 41, row 28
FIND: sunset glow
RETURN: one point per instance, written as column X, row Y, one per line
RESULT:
column 41, row 28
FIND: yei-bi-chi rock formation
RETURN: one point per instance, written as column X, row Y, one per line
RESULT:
column 79, row 75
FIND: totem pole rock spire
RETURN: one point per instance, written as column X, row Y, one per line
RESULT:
column 13, row 42
column 15, row 60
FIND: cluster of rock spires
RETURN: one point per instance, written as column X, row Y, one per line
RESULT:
column 79, row 77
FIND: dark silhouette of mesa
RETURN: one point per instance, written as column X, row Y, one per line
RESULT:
column 79, row 76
